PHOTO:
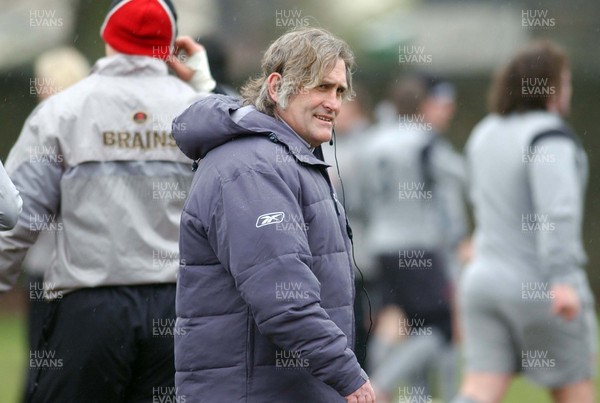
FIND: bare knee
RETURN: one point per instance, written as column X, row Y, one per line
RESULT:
column 580, row 392
column 485, row 387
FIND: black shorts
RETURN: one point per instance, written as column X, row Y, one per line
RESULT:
column 106, row 344
column 416, row 281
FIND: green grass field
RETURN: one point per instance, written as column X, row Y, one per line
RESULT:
column 13, row 361
column 13, row 357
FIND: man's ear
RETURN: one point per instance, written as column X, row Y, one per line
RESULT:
column 273, row 84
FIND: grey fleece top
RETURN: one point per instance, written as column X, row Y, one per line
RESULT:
column 528, row 175
column 412, row 185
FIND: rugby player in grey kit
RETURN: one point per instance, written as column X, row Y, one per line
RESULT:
column 526, row 303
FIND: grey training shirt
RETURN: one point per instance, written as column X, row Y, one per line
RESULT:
column 527, row 185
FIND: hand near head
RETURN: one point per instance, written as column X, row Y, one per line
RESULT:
column 194, row 68
column 364, row 394
column 465, row 251
column 566, row 301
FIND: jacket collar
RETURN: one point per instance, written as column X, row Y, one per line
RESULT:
column 277, row 131
column 129, row 65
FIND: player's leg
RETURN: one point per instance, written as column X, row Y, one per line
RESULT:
column 86, row 349
column 385, row 336
column 385, row 333
column 153, row 372
column 489, row 347
column 580, row 392
column 407, row 361
column 480, row 387
column 448, row 370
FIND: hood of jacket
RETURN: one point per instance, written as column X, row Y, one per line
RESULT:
column 218, row 119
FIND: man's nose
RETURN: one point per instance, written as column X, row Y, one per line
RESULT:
column 333, row 101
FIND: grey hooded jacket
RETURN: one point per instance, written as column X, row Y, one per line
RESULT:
column 96, row 165
column 265, row 287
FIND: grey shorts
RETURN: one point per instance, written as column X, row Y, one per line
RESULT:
column 508, row 328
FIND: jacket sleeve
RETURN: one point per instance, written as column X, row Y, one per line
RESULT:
column 11, row 203
column 256, row 236
column 35, row 166
column 557, row 193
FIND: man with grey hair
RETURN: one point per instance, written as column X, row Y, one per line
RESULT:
column 265, row 293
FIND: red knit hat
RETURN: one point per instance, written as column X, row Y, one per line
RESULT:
column 141, row 27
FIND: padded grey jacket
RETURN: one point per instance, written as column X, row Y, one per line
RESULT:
column 265, row 287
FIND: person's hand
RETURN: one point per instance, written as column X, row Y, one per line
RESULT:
column 364, row 394
column 566, row 301
column 194, row 67
column 465, row 251
column 189, row 47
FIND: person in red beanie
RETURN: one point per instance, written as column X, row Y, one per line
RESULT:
column 97, row 165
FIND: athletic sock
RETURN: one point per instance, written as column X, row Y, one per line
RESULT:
column 448, row 364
